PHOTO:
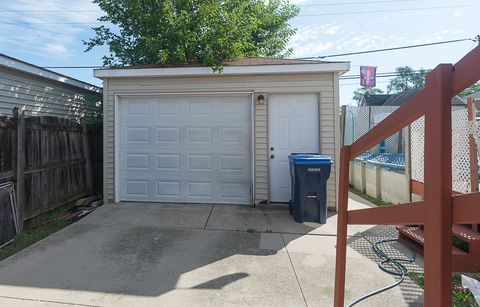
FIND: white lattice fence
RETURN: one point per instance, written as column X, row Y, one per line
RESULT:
column 460, row 150
column 417, row 140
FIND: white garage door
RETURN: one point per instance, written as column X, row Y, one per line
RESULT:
column 194, row 149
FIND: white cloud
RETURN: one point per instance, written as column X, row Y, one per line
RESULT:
column 457, row 13
column 56, row 50
column 333, row 30
column 54, row 32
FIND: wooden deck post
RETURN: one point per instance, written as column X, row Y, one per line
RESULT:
column 408, row 161
column 472, row 146
column 19, row 116
column 438, row 189
column 472, row 142
column 88, row 161
column 342, row 223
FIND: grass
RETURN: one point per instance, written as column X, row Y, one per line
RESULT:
column 251, row 230
column 460, row 244
column 49, row 224
column 373, row 200
column 460, row 297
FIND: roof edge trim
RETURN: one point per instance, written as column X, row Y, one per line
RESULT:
column 227, row 70
column 37, row 71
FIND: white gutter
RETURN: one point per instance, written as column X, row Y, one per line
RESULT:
column 12, row 63
column 227, row 70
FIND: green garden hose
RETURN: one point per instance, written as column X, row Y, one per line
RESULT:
column 397, row 268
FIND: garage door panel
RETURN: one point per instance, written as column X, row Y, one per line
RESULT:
column 137, row 161
column 137, row 108
column 233, row 163
column 168, row 135
column 200, row 135
column 170, row 189
column 137, row 187
column 186, row 149
column 186, row 189
column 202, row 162
column 168, row 109
column 199, row 108
column 137, row 134
column 168, row 162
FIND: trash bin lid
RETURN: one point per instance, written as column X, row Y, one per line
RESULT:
column 310, row 159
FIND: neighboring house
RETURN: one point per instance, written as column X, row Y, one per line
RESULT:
column 43, row 92
column 399, row 99
column 187, row 135
column 374, row 100
column 475, row 96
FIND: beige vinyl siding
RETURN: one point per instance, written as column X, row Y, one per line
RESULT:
column 262, row 189
column 41, row 96
column 328, row 133
column 321, row 83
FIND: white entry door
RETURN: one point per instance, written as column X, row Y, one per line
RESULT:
column 185, row 148
column 293, row 126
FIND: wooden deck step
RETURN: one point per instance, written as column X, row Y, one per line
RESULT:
column 416, row 234
column 466, row 234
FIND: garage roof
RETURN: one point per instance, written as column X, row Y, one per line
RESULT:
column 245, row 66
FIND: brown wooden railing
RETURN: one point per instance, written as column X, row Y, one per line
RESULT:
column 439, row 210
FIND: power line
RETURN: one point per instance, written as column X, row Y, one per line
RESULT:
column 49, row 23
column 300, row 5
column 347, row 84
column 354, row 77
column 53, row 11
column 391, row 49
column 303, row 15
column 388, row 11
column 354, row 3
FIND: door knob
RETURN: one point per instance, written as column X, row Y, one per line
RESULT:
column 272, row 156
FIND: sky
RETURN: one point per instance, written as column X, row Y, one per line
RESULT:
column 52, row 34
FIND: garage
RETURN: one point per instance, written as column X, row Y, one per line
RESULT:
column 187, row 134
column 186, row 148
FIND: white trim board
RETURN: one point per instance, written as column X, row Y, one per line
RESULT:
column 227, row 70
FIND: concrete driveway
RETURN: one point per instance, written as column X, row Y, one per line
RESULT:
column 197, row 255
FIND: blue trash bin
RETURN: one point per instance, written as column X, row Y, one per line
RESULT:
column 309, row 175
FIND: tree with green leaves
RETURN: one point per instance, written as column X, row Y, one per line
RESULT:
column 471, row 90
column 191, row 31
column 407, row 78
column 359, row 93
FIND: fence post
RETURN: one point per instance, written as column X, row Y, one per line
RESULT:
column 438, row 188
column 378, row 182
column 88, row 161
column 408, row 162
column 473, row 149
column 363, row 167
column 19, row 116
column 342, row 123
column 472, row 146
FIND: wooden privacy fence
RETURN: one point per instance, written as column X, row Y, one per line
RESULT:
column 51, row 160
column 440, row 209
